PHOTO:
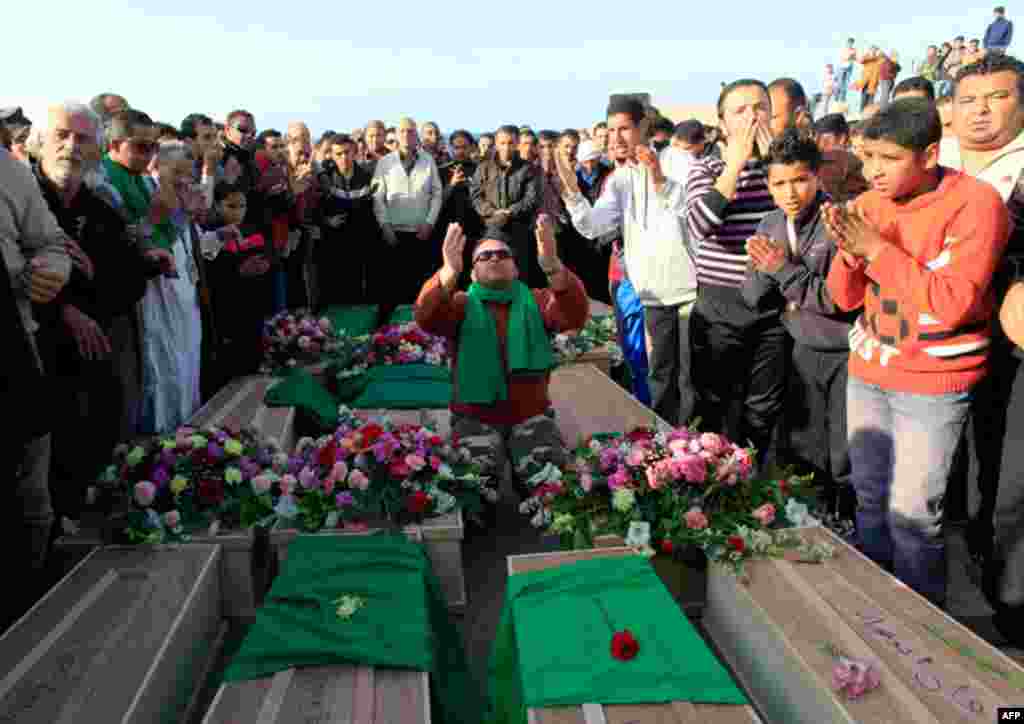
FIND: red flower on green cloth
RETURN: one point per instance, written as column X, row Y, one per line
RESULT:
column 418, row 503
column 667, row 547
column 624, row 645
column 736, row 543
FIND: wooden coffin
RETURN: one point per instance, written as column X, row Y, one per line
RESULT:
column 127, row 636
column 441, row 537
column 587, row 401
column 328, row 695
column 240, row 403
column 771, row 631
column 676, row 712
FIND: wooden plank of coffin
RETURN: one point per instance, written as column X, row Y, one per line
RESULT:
column 587, row 401
column 248, row 405
column 238, row 702
column 102, row 659
column 226, row 398
column 909, row 614
column 836, row 598
column 801, row 627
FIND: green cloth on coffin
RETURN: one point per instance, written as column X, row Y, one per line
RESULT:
column 301, row 390
column 403, row 623
column 406, row 387
column 553, row 645
column 356, row 320
column 403, row 314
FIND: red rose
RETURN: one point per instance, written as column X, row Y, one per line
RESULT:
column 436, row 440
column 736, row 543
column 418, row 503
column 398, row 469
column 370, row 433
column 329, row 454
column 211, row 492
column 624, row 646
column 641, row 434
column 667, row 547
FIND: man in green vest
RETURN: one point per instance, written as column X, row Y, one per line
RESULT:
column 502, row 359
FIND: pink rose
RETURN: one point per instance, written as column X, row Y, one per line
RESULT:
column 145, row 491
column 695, row 519
column 172, row 519
column 636, row 456
column 744, row 462
column 691, row 467
column 659, row 474
column 415, row 462
column 338, row 472
column 261, row 484
column 435, row 462
column 358, row 480
column 288, row 483
column 307, row 478
column 765, row 514
column 325, row 324
column 586, row 482
column 678, row 447
column 618, row 479
column 854, row 677
column 713, row 443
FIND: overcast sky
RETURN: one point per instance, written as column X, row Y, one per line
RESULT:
column 461, row 64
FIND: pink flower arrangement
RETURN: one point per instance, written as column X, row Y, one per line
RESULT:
column 291, row 339
column 398, row 344
column 370, row 469
column 694, row 489
column 164, row 488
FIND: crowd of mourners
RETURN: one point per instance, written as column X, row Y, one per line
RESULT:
column 844, row 297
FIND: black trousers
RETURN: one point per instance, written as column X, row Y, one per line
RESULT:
column 86, row 428
column 815, row 418
column 341, row 263
column 979, row 461
column 400, row 271
column 739, row 369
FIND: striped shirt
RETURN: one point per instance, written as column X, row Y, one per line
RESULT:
column 719, row 228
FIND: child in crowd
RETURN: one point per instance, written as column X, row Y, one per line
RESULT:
column 842, row 174
column 236, row 264
column 790, row 256
column 918, row 252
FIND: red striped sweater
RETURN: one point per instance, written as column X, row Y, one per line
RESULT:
column 927, row 299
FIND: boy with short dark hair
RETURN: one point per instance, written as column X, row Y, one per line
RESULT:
column 790, row 256
column 918, row 251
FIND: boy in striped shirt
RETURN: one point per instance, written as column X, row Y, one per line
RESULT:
column 918, row 251
column 739, row 353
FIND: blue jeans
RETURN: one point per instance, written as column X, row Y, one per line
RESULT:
column 901, row 450
column 279, row 300
column 843, row 83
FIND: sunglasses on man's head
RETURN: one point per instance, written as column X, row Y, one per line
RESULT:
column 496, row 254
column 244, row 130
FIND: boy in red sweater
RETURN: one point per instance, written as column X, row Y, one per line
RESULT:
column 918, row 251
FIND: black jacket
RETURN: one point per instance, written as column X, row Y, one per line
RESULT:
column 458, row 200
column 121, row 272
column 516, row 188
column 345, row 210
column 22, row 384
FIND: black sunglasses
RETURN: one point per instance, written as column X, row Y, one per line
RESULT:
column 499, row 254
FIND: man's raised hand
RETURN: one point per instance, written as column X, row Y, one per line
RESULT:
column 566, row 174
column 451, row 250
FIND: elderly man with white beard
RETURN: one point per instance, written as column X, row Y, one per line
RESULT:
column 108, row 277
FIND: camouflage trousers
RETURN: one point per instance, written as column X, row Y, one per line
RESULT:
column 528, row 446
